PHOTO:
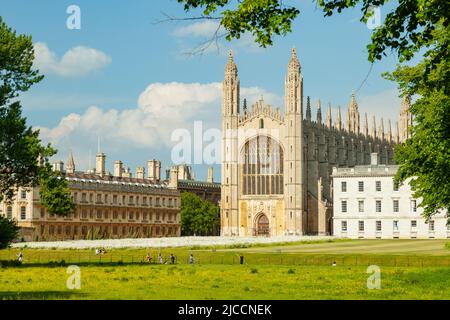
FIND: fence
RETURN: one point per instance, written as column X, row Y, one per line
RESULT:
column 229, row 258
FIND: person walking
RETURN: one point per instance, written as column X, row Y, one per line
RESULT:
column 161, row 259
column 20, row 257
column 172, row 258
column 191, row 259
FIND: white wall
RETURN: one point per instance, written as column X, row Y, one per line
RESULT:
column 387, row 216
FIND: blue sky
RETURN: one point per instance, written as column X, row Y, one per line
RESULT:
column 128, row 80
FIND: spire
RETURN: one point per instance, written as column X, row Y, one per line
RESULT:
column 397, row 133
column 294, row 63
column 319, row 112
column 308, row 109
column 381, row 131
column 328, row 121
column 353, row 115
column 366, row 125
column 231, row 68
column 374, row 128
column 339, row 119
column 245, row 105
column 293, row 87
column 230, row 88
column 70, row 166
column 389, row 135
column 405, row 120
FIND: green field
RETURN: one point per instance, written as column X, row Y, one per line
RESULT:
column 410, row 269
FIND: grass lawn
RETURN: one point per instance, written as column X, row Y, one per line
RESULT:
column 410, row 269
column 224, row 282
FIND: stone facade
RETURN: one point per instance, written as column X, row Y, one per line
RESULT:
column 276, row 167
column 107, row 206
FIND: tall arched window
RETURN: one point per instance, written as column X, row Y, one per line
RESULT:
column 261, row 167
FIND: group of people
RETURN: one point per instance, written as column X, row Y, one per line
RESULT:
column 172, row 258
column 100, row 251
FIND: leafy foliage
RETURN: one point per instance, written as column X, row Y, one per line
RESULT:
column 8, row 232
column 262, row 18
column 199, row 217
column 425, row 157
column 23, row 159
column 16, row 61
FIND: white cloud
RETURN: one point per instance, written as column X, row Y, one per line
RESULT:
column 197, row 29
column 162, row 108
column 189, row 42
column 77, row 61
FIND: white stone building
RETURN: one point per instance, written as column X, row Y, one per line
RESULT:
column 368, row 204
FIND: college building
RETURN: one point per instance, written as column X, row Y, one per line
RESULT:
column 368, row 204
column 110, row 205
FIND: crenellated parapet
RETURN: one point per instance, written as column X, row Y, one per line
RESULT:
column 261, row 109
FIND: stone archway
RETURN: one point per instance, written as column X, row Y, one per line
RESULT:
column 262, row 225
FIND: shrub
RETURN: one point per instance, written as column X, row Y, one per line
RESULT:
column 9, row 263
column 8, row 232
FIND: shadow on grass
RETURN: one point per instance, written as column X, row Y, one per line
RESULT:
column 39, row 295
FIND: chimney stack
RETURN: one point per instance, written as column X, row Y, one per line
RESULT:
column 118, row 168
column 154, row 170
column 58, row 166
column 210, row 175
column 140, row 173
column 173, row 178
column 100, row 167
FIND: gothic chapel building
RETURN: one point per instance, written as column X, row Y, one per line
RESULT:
column 276, row 166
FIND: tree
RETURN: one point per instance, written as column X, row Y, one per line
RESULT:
column 23, row 159
column 413, row 28
column 199, row 217
column 425, row 157
column 8, row 232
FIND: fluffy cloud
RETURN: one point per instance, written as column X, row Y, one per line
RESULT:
column 189, row 42
column 197, row 29
column 161, row 109
column 77, row 61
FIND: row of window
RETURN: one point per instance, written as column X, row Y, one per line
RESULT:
column 395, row 225
column 126, row 200
column 378, row 206
column 23, row 213
column 106, row 214
column 108, row 230
column 361, row 186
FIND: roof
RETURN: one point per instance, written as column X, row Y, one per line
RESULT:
column 109, row 179
column 366, row 171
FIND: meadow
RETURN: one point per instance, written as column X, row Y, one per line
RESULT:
column 284, row 272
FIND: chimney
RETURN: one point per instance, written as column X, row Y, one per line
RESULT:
column 140, row 173
column 127, row 173
column 210, row 175
column 58, row 166
column 118, row 168
column 100, row 164
column 374, row 161
column 154, row 170
column 173, row 178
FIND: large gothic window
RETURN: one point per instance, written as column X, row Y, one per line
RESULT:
column 261, row 167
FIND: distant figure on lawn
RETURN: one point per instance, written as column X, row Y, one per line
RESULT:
column 334, row 264
column 172, row 258
column 191, row 259
column 148, row 258
column 161, row 261
column 97, row 251
column 20, row 257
